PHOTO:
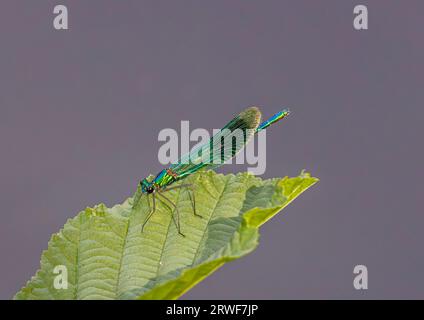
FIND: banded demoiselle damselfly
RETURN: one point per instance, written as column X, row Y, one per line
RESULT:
column 221, row 147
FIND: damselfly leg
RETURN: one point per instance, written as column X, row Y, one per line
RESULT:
column 166, row 201
column 151, row 210
column 189, row 188
column 170, row 209
column 177, row 223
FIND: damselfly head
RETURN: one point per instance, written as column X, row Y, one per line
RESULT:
column 146, row 186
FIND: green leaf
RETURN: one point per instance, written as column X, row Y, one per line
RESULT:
column 108, row 257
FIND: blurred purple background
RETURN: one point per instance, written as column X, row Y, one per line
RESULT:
column 80, row 111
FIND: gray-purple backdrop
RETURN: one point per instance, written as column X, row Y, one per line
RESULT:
column 80, row 111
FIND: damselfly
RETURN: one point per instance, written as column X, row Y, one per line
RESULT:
column 223, row 146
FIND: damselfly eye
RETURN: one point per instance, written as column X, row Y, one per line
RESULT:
column 150, row 190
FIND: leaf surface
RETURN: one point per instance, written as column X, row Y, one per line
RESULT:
column 108, row 257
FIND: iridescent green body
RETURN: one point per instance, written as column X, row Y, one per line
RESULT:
column 248, row 122
column 276, row 117
column 223, row 146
